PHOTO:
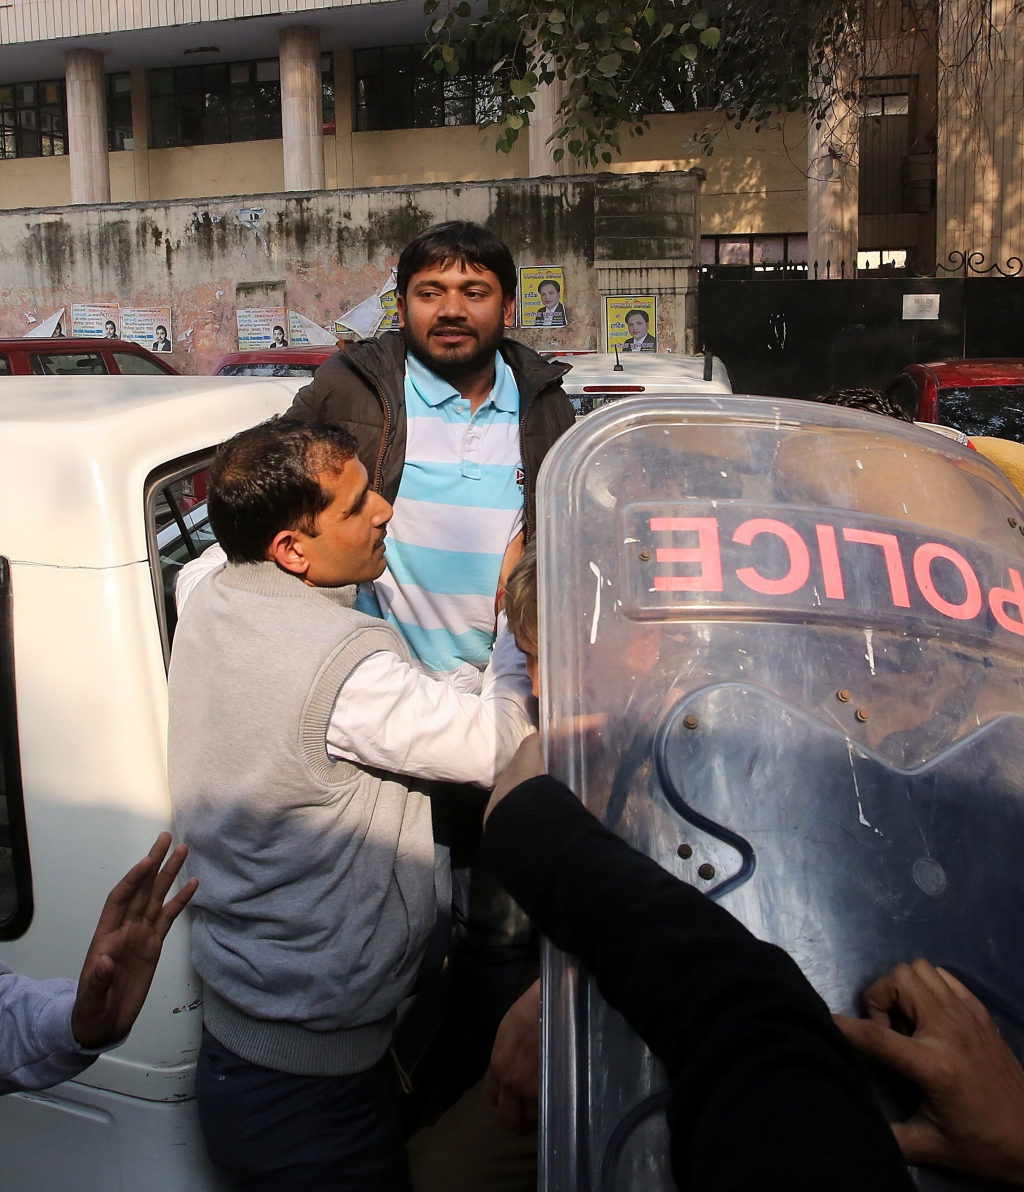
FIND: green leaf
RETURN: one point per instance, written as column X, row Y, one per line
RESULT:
column 464, row 10
column 575, row 147
column 512, row 135
column 452, row 67
column 689, row 51
column 556, row 17
column 627, row 45
column 438, row 64
column 700, row 20
column 438, row 25
column 609, row 64
column 648, row 15
column 520, row 88
column 558, row 154
column 666, row 31
column 603, row 17
column 711, row 37
column 557, row 30
column 448, row 53
column 430, row 6
column 606, row 157
column 514, row 121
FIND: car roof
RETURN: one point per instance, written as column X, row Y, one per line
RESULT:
column 657, row 372
column 75, row 453
column 75, row 344
column 306, row 354
column 984, row 371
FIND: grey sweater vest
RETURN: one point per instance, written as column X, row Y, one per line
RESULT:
column 316, row 877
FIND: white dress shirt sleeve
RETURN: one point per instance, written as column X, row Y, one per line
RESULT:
column 37, row 1046
column 195, row 570
column 390, row 716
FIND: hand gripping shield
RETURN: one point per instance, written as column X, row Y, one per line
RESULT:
column 805, row 628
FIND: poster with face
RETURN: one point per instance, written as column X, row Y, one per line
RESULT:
column 261, row 327
column 149, row 326
column 631, row 323
column 542, row 296
column 95, row 320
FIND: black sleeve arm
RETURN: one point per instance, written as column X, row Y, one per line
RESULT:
column 766, row 1092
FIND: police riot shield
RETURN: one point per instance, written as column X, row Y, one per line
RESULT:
column 805, row 628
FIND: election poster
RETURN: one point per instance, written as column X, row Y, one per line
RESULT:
column 542, row 296
column 631, row 323
column 149, row 326
column 390, row 320
column 95, row 320
column 261, row 327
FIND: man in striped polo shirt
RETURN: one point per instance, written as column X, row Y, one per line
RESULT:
column 453, row 421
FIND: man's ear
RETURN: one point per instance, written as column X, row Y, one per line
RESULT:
column 508, row 309
column 400, row 304
column 287, row 552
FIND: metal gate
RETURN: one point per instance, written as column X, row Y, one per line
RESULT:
column 793, row 338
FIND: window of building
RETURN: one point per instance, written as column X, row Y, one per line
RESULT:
column 753, row 254
column 33, row 119
column 178, row 529
column 397, row 87
column 224, row 101
column 885, row 135
column 15, row 870
column 119, row 111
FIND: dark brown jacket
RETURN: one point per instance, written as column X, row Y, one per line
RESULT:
column 363, row 389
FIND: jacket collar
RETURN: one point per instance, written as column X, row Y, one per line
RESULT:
column 382, row 361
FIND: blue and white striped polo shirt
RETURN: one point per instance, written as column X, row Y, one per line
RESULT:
column 459, row 505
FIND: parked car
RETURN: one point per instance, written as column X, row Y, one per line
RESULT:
column 79, row 358
column 102, row 498
column 273, row 362
column 594, row 380
column 977, row 397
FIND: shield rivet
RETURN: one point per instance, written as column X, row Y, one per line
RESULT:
column 862, row 714
column 706, row 871
column 684, row 851
column 843, row 695
column 691, row 721
column 645, row 555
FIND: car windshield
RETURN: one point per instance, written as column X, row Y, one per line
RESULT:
column 996, row 410
column 267, row 370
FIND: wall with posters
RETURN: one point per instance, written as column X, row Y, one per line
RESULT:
column 321, row 255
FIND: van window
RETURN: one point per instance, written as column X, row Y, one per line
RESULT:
column 15, row 871
column 69, row 364
column 177, row 528
column 5, row 367
column 130, row 365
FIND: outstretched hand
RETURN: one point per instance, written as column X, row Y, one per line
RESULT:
column 971, row 1115
column 123, row 955
column 511, row 1081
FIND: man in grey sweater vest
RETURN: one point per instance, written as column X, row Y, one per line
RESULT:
column 320, row 879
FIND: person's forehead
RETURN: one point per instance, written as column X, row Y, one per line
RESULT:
column 455, row 273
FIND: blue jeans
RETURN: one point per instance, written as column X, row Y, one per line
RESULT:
column 272, row 1132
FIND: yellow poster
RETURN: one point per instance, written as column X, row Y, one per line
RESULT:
column 631, row 323
column 542, row 296
column 390, row 321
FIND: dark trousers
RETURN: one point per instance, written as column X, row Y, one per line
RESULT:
column 272, row 1132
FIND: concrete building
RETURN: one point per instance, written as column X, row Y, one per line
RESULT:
column 163, row 100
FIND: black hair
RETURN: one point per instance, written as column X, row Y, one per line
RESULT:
column 264, row 480
column 549, row 281
column 869, row 400
column 278, row 327
column 457, row 242
column 643, row 314
column 160, row 327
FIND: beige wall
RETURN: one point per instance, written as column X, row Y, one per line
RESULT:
column 35, row 182
column 755, row 181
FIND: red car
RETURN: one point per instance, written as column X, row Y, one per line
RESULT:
column 978, row 397
column 274, row 362
column 79, row 358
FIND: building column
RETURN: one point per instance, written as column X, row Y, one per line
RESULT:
column 302, row 118
column 833, row 185
column 543, row 122
column 87, row 127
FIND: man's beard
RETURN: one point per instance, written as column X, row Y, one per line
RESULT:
column 458, row 363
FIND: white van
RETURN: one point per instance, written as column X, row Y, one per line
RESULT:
column 102, row 482
column 595, row 379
